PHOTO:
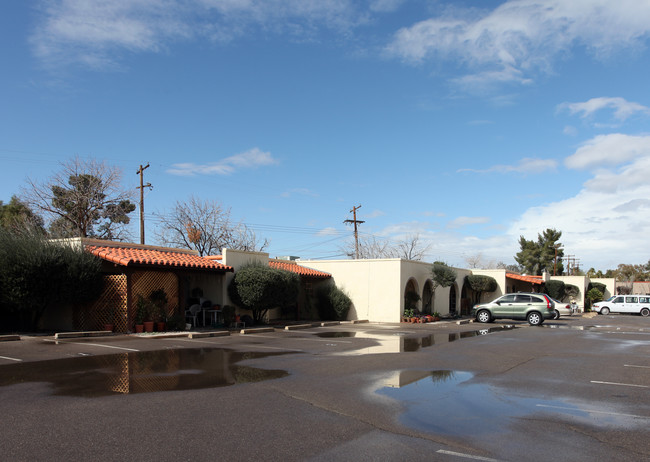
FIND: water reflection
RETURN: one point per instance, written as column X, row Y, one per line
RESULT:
column 335, row 334
column 391, row 343
column 442, row 402
column 140, row 372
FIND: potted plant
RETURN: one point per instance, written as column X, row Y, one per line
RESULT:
column 436, row 316
column 158, row 299
column 140, row 314
column 408, row 314
column 110, row 325
column 149, row 323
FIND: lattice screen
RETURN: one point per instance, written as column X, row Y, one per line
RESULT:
column 145, row 282
column 109, row 308
column 142, row 372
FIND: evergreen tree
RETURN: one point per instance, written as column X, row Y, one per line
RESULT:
column 535, row 257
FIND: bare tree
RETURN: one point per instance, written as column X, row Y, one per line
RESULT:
column 206, row 226
column 85, row 198
column 409, row 248
column 369, row 247
column 475, row 261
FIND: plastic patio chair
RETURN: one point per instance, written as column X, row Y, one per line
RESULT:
column 193, row 313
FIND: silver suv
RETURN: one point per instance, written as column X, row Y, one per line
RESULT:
column 532, row 307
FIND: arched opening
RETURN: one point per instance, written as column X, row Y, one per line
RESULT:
column 452, row 300
column 465, row 302
column 427, row 297
column 411, row 297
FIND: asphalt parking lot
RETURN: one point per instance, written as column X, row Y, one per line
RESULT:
column 573, row 389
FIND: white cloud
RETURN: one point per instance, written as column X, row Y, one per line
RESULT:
column 519, row 37
column 94, row 33
column 608, row 221
column 246, row 160
column 374, row 214
column 606, row 151
column 328, row 232
column 300, row 192
column 526, row 166
column 461, row 222
column 622, row 109
column 385, row 5
column 86, row 32
column 570, row 130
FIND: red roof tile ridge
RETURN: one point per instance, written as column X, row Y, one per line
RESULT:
column 154, row 256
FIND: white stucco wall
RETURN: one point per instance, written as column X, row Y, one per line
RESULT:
column 377, row 286
column 373, row 285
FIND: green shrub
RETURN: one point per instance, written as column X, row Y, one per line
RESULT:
column 37, row 274
column 332, row 303
column 594, row 295
column 258, row 288
column 597, row 285
column 480, row 284
column 571, row 292
column 555, row 289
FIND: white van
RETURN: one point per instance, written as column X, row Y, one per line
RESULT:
column 637, row 304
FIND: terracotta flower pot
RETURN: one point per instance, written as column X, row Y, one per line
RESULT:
column 160, row 326
column 139, row 328
column 109, row 327
column 148, row 326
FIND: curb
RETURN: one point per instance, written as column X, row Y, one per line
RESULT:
column 94, row 333
column 300, row 326
column 257, row 330
column 205, row 334
column 9, row 338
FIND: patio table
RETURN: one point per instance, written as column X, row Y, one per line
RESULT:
column 214, row 316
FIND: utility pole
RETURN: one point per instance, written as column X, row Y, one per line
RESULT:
column 141, row 188
column 556, row 247
column 356, row 232
column 573, row 264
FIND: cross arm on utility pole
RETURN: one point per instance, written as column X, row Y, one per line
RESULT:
column 141, row 188
column 356, row 232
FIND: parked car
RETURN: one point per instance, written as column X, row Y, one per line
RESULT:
column 636, row 304
column 561, row 309
column 532, row 307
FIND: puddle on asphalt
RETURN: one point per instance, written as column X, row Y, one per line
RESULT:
column 442, row 402
column 400, row 341
column 141, row 372
column 336, row 334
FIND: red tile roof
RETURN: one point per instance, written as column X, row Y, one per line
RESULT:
column 135, row 256
column 296, row 268
column 531, row 279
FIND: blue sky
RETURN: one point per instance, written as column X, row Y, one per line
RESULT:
column 468, row 123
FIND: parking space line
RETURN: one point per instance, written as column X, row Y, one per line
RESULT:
column 10, row 359
column 632, row 365
column 231, row 345
column 93, row 344
column 465, row 456
column 592, row 411
column 330, row 340
column 620, row 384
